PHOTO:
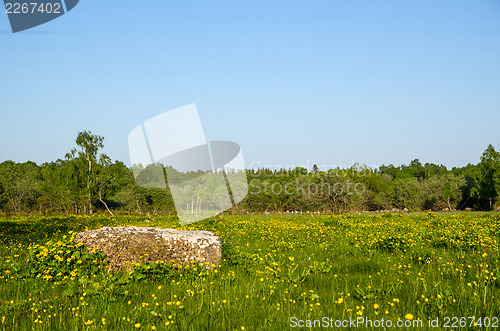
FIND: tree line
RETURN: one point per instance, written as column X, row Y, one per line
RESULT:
column 86, row 181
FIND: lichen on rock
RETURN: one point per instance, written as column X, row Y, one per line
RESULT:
column 126, row 245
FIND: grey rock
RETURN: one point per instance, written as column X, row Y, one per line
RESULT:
column 126, row 245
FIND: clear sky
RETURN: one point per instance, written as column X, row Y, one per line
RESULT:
column 293, row 82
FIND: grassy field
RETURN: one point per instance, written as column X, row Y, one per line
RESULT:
column 278, row 271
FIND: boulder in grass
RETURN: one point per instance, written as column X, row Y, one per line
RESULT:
column 131, row 244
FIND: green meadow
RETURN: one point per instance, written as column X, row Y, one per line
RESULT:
column 279, row 271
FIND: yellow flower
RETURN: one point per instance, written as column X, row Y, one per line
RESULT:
column 409, row 316
column 376, row 306
column 89, row 322
column 340, row 300
column 137, row 325
column 291, row 258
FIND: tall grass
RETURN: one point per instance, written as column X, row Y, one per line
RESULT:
column 275, row 268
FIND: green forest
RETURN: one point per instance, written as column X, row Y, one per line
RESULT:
column 87, row 182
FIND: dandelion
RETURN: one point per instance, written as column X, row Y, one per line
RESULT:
column 409, row 316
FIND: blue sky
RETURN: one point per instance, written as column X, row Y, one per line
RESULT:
column 293, row 82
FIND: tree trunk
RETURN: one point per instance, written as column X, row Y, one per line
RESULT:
column 13, row 202
column 139, row 210
column 88, row 186
column 105, row 205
